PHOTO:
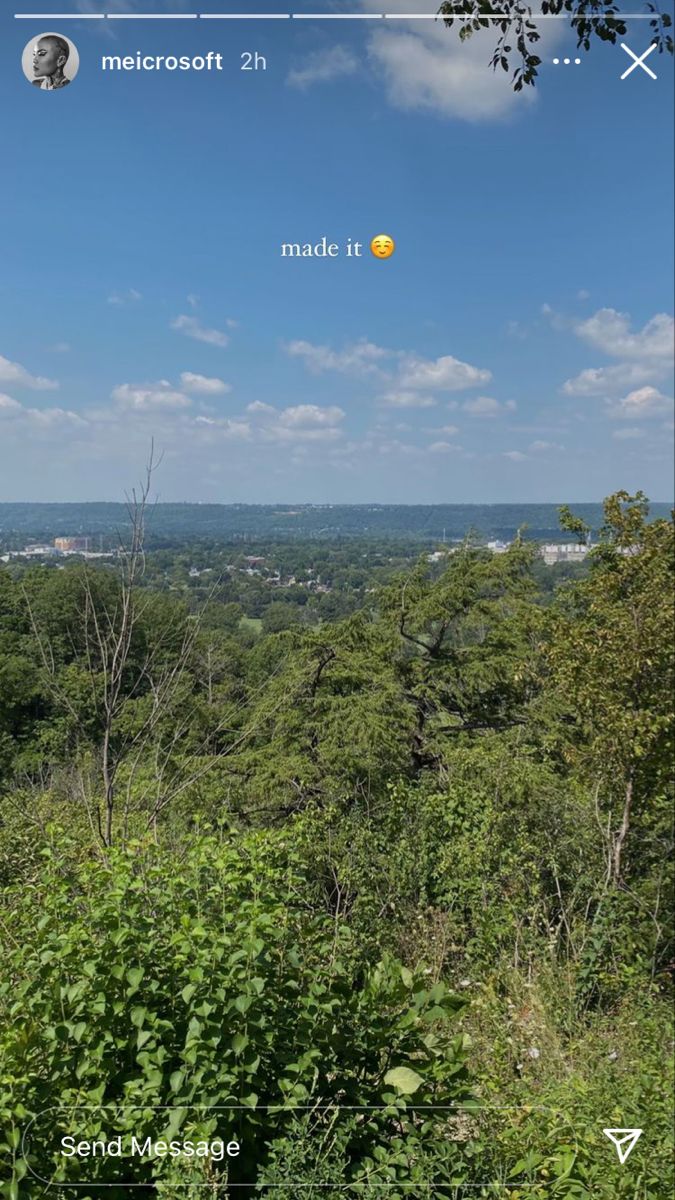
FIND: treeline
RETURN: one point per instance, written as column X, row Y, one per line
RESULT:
column 415, row 855
column 237, row 523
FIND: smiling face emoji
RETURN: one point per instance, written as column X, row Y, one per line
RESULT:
column 382, row 245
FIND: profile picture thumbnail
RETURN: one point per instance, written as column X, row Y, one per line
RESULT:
column 50, row 61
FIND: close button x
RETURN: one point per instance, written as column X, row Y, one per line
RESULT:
column 638, row 62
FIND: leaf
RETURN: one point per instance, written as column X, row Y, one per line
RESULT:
column 176, row 1080
column 194, row 1028
column 134, row 976
column 404, row 1080
column 407, row 977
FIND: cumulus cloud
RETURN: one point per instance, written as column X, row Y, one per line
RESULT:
column 359, row 358
column 53, row 416
column 599, row 381
column 322, row 67
column 610, row 331
column 14, row 374
column 203, row 385
column 259, row 407
column 543, row 447
column 10, row 408
column 426, row 67
column 428, row 70
column 444, row 374
column 644, row 402
column 297, row 423
column 150, row 397
column 302, row 415
column 515, row 455
column 646, row 355
column 443, row 448
column 193, row 328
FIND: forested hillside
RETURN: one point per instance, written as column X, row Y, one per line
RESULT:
column 171, row 524
column 391, row 887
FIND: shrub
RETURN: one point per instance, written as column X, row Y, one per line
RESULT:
column 151, row 978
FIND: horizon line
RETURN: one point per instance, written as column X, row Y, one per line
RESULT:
column 331, row 503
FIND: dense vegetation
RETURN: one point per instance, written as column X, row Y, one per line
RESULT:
column 169, row 523
column 388, row 884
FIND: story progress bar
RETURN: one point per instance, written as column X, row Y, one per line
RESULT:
column 268, row 16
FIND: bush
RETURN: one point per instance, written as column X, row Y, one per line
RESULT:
column 151, row 978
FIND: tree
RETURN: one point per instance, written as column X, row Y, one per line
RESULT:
column 519, row 33
column 612, row 667
column 117, row 662
column 466, row 648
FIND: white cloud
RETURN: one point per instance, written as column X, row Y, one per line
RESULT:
column 298, row 423
column 53, row 416
column 646, row 355
column 449, row 429
column 445, row 374
column 515, row 455
column 193, row 328
column 610, row 331
column 120, row 299
column 427, row 67
column 149, row 397
column 644, row 402
column 486, row 406
column 443, row 448
column 10, row 408
column 359, row 358
column 14, row 373
column 303, row 415
column 322, row 67
column 406, row 400
column 258, row 407
column 203, row 385
column 599, row 381
column 625, row 435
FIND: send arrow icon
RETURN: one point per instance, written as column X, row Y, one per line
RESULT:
column 624, row 1140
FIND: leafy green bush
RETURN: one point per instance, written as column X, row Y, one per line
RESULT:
column 151, row 978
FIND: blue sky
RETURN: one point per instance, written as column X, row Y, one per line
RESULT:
column 517, row 346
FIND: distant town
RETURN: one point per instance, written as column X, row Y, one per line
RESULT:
column 82, row 547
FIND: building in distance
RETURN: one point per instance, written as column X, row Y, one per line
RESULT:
column 567, row 552
column 72, row 545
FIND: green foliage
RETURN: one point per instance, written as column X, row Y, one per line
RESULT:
column 456, row 786
column 150, row 979
column 519, row 31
